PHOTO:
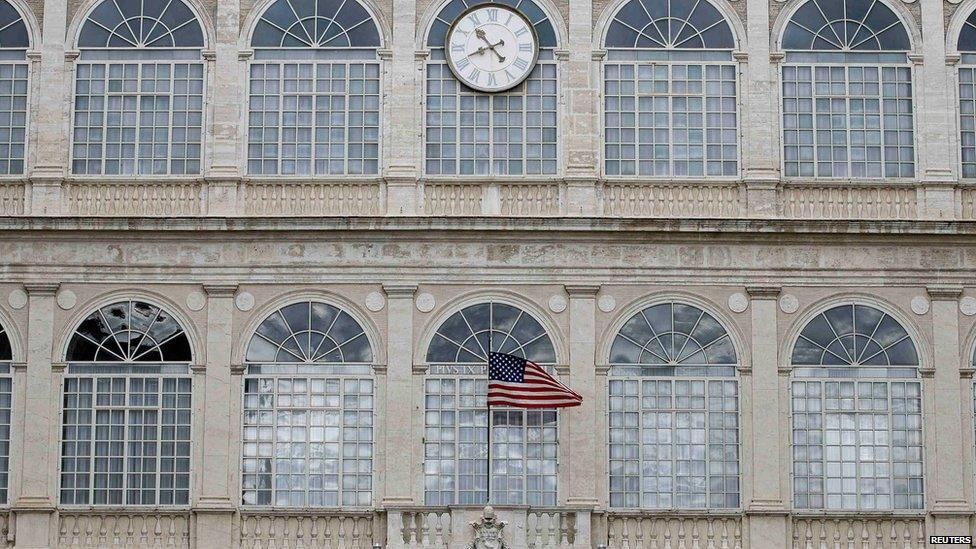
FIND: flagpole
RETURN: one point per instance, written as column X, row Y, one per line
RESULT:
column 488, row 405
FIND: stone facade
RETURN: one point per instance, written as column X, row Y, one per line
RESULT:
column 402, row 251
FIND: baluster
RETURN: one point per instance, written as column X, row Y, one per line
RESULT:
column 710, row 534
column 809, row 523
column 681, row 533
column 737, row 532
column 907, row 534
column 695, row 535
column 837, row 533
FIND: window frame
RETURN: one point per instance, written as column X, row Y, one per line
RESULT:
column 558, row 61
column 102, row 56
column 309, row 370
column 613, row 373
column 128, row 370
column 856, row 378
column 31, row 59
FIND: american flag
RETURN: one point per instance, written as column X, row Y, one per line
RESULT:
column 516, row 382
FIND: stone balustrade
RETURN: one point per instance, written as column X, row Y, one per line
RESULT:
column 130, row 529
column 858, row 532
column 547, row 198
column 667, row 531
column 325, row 530
column 443, row 528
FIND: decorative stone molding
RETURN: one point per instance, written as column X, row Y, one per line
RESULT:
column 202, row 369
column 244, row 301
column 59, row 367
column 789, row 304
column 607, row 303
column 18, row 366
column 399, row 290
column 557, row 303
column 380, row 369
column 420, row 369
column 967, row 305
column 66, row 299
column 966, row 372
column 17, row 299
column 220, row 290
column 738, row 302
column 920, row 305
column 375, row 302
column 602, row 369
column 425, row 303
column 195, row 300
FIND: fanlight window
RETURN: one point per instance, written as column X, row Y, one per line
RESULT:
column 308, row 410
column 524, row 443
column 670, row 91
column 6, row 402
column 967, row 95
column 856, row 413
column 314, row 90
column 138, row 106
column 125, row 435
column 475, row 133
column 14, row 43
column 674, row 411
column 847, row 92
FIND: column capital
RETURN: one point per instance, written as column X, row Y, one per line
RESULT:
column 41, row 288
column 220, row 290
column 582, row 290
column 59, row 366
column 944, row 292
column 763, row 292
column 400, row 290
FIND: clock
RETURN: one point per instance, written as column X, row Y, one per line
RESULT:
column 491, row 47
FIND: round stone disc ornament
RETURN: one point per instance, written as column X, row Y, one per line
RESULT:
column 491, row 47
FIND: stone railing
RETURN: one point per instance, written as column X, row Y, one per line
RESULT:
column 452, row 199
column 507, row 198
column 157, row 199
column 672, row 200
column 311, row 199
column 441, row 528
column 7, row 537
column 637, row 531
column 123, row 529
column 848, row 201
column 863, row 532
column 326, row 530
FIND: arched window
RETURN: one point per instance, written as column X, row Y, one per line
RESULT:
column 670, row 91
column 14, row 43
column 308, row 410
column 966, row 46
column 314, row 90
column 856, row 412
column 475, row 133
column 523, row 442
column 847, row 92
column 125, row 431
column 6, row 402
column 138, row 106
column 674, row 411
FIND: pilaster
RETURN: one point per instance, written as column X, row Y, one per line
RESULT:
column 758, row 92
column 226, row 97
column 49, row 116
column 215, row 504
column 935, row 122
column 402, row 465
column 947, row 481
column 402, row 100
column 581, row 423
column 35, row 504
column 579, row 117
column 766, row 508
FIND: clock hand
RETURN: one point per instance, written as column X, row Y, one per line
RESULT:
column 480, row 33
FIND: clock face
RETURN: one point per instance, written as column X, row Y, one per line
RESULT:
column 491, row 47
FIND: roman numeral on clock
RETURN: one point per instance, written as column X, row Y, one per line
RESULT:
column 474, row 75
column 526, row 46
column 521, row 63
column 492, row 15
column 462, row 63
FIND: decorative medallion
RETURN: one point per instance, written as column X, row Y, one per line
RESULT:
column 491, row 47
column 788, row 303
column 557, row 303
column 244, row 301
column 375, row 302
column 425, row 303
column 738, row 302
column 606, row 303
column 488, row 532
column 66, row 299
column 967, row 305
column 195, row 300
column 920, row 305
column 17, row 299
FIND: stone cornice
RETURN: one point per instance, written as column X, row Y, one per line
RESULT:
column 400, row 290
column 41, row 288
column 220, row 290
column 763, row 292
column 944, row 292
column 582, row 290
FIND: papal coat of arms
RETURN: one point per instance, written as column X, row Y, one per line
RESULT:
column 488, row 531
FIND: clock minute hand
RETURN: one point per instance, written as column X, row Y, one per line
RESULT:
column 480, row 33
